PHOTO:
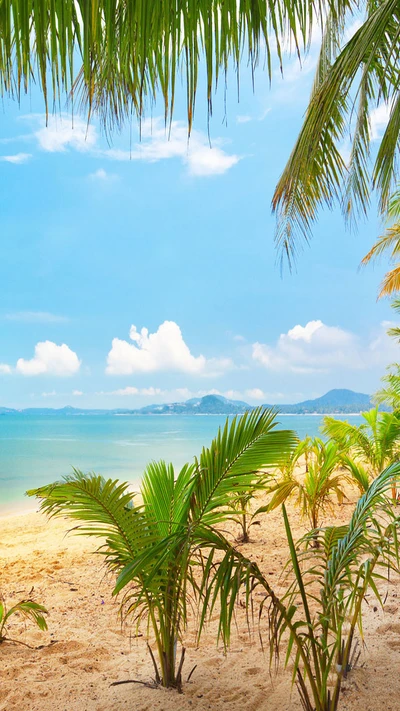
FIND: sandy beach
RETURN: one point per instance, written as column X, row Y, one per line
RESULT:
column 86, row 649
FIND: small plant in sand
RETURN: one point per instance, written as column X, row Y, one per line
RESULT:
column 154, row 546
column 314, row 490
column 241, row 506
column 315, row 622
column 375, row 443
column 28, row 609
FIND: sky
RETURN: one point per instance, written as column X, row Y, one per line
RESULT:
column 141, row 271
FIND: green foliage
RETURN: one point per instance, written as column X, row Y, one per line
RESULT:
column 30, row 610
column 375, row 442
column 353, row 77
column 154, row 546
column 116, row 56
column 313, row 492
column 241, row 507
column 314, row 622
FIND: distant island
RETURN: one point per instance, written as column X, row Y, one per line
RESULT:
column 338, row 402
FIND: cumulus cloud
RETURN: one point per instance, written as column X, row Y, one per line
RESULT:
column 77, row 393
column 50, row 359
column 16, row 159
column 164, row 350
column 5, row 369
column 317, row 347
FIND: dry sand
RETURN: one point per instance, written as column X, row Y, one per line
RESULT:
column 85, row 649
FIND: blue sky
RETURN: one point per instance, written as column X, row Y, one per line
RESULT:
column 103, row 240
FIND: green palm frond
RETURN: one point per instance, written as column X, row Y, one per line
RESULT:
column 376, row 441
column 30, row 610
column 359, row 475
column 117, row 56
column 358, row 75
column 312, row 490
column 390, row 393
column 316, row 618
column 154, row 547
column 231, row 464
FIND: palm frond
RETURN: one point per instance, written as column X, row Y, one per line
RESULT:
column 116, row 57
column 316, row 173
column 231, row 464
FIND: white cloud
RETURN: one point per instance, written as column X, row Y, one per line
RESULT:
column 35, row 317
column 50, row 359
column 317, row 347
column 5, row 369
column 103, row 176
column 50, row 394
column 126, row 391
column 164, row 350
column 378, row 119
column 243, row 119
column 158, row 144
column 16, row 159
column 63, row 132
column 146, row 392
column 77, row 393
column 255, row 394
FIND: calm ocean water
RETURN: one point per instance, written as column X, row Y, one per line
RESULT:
column 38, row 450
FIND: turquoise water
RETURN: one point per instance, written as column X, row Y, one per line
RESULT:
column 38, row 450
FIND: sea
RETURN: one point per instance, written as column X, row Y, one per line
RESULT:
column 40, row 449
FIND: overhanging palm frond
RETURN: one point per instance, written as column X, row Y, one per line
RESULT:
column 117, row 56
column 364, row 70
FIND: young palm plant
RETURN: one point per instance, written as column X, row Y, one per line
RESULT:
column 313, row 491
column 241, row 507
column 149, row 545
column 29, row 609
column 315, row 622
column 375, row 443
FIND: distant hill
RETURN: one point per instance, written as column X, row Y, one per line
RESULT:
column 207, row 405
column 340, row 402
column 335, row 402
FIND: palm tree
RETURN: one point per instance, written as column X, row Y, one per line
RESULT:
column 375, row 442
column 314, row 621
column 313, row 492
column 353, row 77
column 152, row 546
